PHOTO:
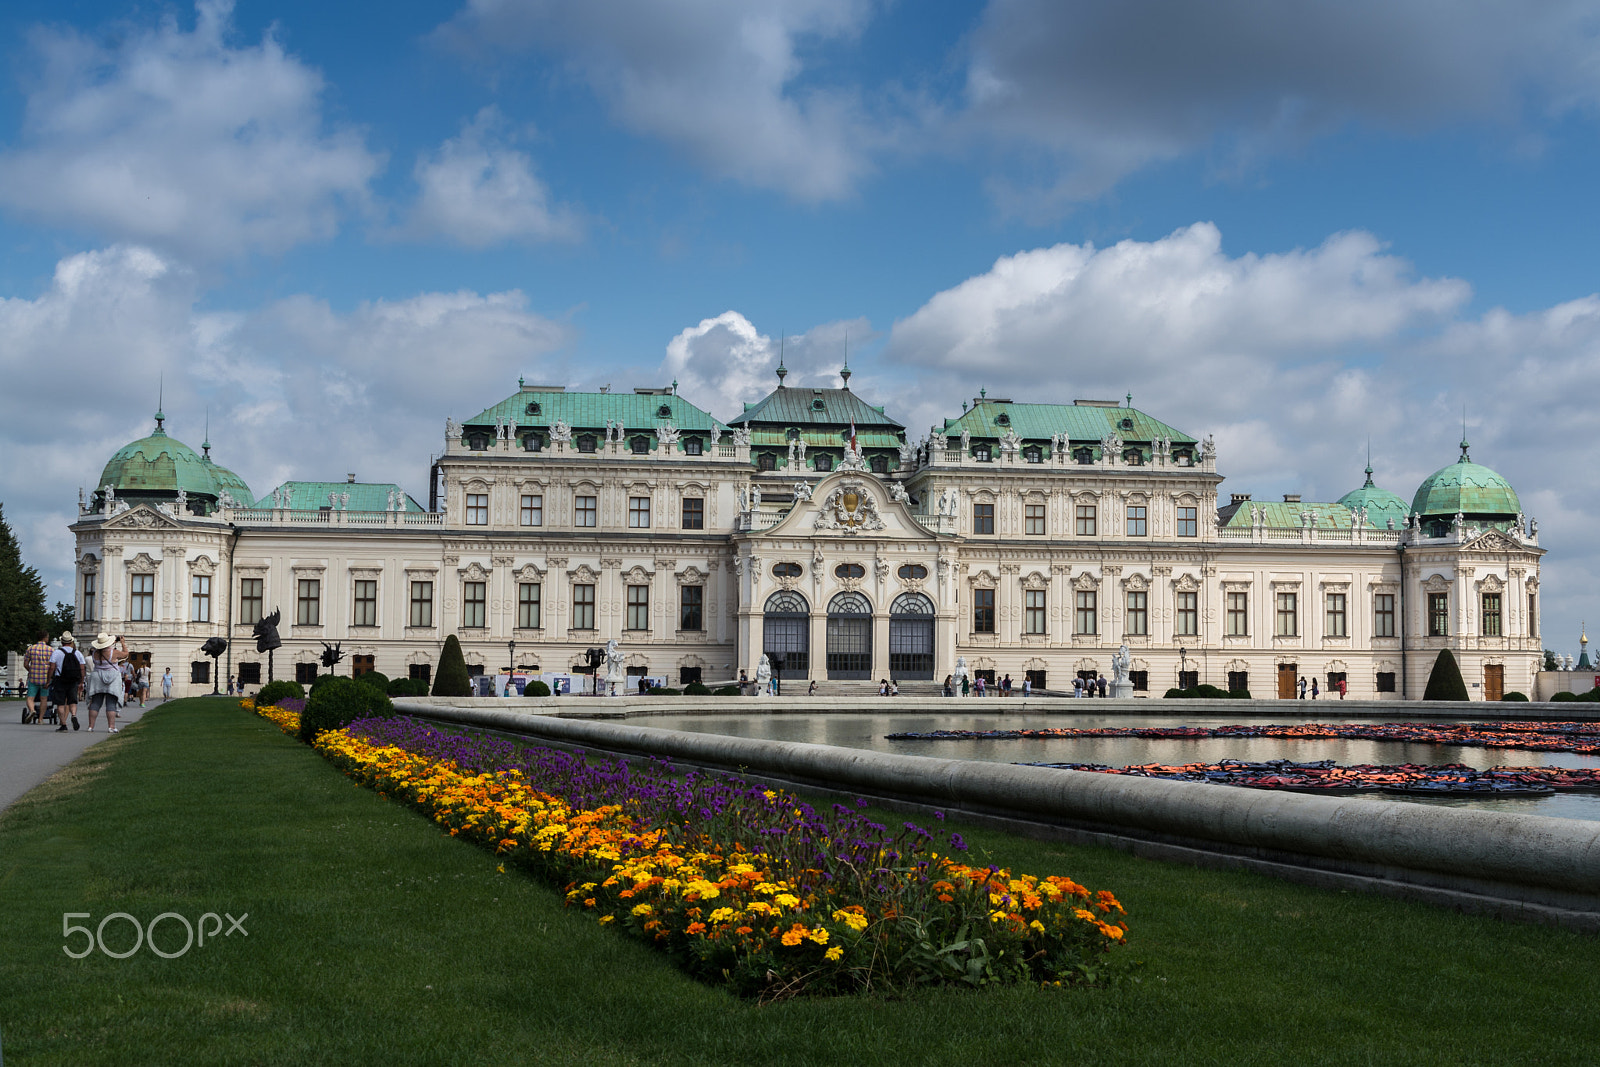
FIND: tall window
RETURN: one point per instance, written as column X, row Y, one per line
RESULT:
column 533, row 509
column 142, row 601
column 1334, row 623
column 1288, row 624
column 983, row 518
column 366, row 604
column 1088, row 612
column 200, row 598
column 638, row 513
column 691, row 602
column 1491, row 615
column 767, row 461
column 90, row 595
column 250, row 598
column 983, row 611
column 583, row 607
column 1188, row 614
column 477, row 509
column 528, row 606
column 1188, row 522
column 694, row 513
column 1138, row 613
column 1033, row 517
column 1438, row 614
column 421, row 603
column 1136, row 520
column 1383, row 615
column 1086, row 520
column 1533, row 614
column 638, row 607
column 474, row 605
column 308, row 602
column 1238, row 614
column 692, row 446
column 585, row 510
column 1034, row 611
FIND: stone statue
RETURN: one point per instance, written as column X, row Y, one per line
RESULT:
column 616, row 669
column 716, row 440
column 110, row 492
column 755, row 498
column 949, row 502
column 1120, row 663
column 961, row 674
column 941, row 442
column 794, row 462
column 1533, row 527
column 266, row 632
column 452, row 430
column 1111, row 446
column 560, row 433
column 966, row 440
column 763, row 675
column 741, row 437
column 800, row 449
column 1208, row 448
column 668, row 436
column 183, row 502
column 897, row 493
column 802, row 491
column 1009, row 441
column 908, row 455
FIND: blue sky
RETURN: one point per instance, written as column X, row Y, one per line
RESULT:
column 1295, row 227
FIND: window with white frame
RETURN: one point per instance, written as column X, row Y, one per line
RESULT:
column 421, row 603
column 533, row 509
column 1033, row 519
column 474, row 605
column 365, row 606
column 1383, row 615
column 585, row 510
column 583, row 606
column 1188, row 619
column 477, row 509
column 638, row 607
column 1087, row 518
column 1188, row 522
column 251, row 597
column 1136, row 520
column 90, row 596
column 1088, row 612
column 1288, row 615
column 1138, row 613
column 200, row 598
column 528, row 605
column 638, row 513
column 1238, row 612
column 1034, row 611
column 308, row 602
column 1334, row 617
column 142, row 598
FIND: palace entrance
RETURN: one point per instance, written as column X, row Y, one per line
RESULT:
column 911, row 638
column 1288, row 675
column 1494, row 681
column 786, row 632
column 849, row 637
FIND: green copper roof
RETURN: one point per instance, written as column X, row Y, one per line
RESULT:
column 1080, row 422
column 1329, row 516
column 1467, row 488
column 591, row 411
column 364, row 496
column 159, row 466
column 813, row 409
column 1381, row 504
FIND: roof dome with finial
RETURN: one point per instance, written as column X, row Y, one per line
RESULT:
column 1468, row 489
column 157, row 467
column 1380, row 504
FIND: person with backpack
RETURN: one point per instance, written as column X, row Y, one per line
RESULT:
column 36, row 660
column 142, row 683
column 66, row 680
column 106, row 682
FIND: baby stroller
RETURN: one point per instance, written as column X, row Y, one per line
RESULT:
column 46, row 715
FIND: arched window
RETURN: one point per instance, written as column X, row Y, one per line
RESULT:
column 786, row 570
column 533, row 442
column 850, row 604
column 787, row 602
column 849, row 570
column 911, row 637
column 981, row 453
column 1084, row 455
column 587, row 442
column 913, row 570
column 911, row 604
column 767, row 461
column 1033, row 454
column 786, row 632
column 640, row 445
column 478, row 442
column 692, row 446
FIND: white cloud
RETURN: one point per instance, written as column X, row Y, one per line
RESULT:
column 477, row 192
column 179, row 140
column 725, row 362
column 1109, row 88
column 722, row 80
column 294, row 389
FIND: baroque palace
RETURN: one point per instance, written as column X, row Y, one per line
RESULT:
column 1031, row 539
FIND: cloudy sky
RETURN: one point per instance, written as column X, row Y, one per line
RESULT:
column 1299, row 227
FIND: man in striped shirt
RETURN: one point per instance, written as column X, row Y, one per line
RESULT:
column 37, row 661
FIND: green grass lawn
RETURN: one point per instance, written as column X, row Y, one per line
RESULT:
column 375, row 938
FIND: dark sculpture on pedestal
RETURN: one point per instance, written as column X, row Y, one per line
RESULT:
column 214, row 647
column 267, row 639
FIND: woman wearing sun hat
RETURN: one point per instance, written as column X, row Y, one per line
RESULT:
column 105, row 682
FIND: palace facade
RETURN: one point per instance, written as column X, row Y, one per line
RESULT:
column 1032, row 539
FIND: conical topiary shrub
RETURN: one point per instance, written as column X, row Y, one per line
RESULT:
column 1445, row 682
column 452, row 679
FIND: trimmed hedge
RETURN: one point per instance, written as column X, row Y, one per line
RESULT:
column 338, row 702
column 726, row 691
column 377, row 679
column 536, row 688
column 452, row 679
column 1592, row 696
column 274, row 692
column 696, row 689
column 1516, row 696
column 406, row 687
column 1444, row 681
column 1208, row 692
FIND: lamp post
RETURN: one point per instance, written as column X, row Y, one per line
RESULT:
column 511, row 677
column 1183, row 661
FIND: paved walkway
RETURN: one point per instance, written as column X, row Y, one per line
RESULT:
column 30, row 754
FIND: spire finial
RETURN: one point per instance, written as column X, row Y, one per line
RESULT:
column 845, row 372
column 1464, row 457
column 161, row 393
column 783, row 372
column 1130, row 400
column 1369, row 465
column 205, row 446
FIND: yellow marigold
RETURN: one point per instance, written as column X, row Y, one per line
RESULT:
column 1085, row 914
column 792, row 938
column 1037, row 925
column 786, row 900
column 766, row 887
column 643, row 909
column 854, row 920
column 819, row 935
column 833, row 954
column 722, row 915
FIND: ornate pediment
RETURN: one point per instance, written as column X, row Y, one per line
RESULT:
column 143, row 564
column 529, row 573
column 691, row 575
column 583, row 575
column 1186, row 583
column 474, row 572
column 1492, row 541
column 1085, row 580
column 983, row 580
column 1035, row 580
column 1491, row 583
column 1437, row 583
column 143, row 517
column 202, row 565
column 637, row 576
column 849, row 509
column 1136, row 582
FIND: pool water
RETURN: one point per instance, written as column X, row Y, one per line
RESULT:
column 867, row 731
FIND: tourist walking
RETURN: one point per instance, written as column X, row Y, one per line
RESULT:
column 36, row 660
column 1077, row 688
column 1027, row 686
column 980, row 685
column 1340, row 685
column 1100, row 686
column 107, row 679
column 1302, row 688
column 141, row 679
column 949, row 685
column 1314, row 690
column 66, row 681
column 1005, row 686
column 166, row 684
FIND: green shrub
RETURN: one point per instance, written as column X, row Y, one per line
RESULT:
column 375, row 678
column 696, row 689
column 536, row 688
column 319, row 679
column 406, row 687
column 338, row 702
column 1444, row 681
column 273, row 692
column 1592, row 696
column 726, row 691
column 1208, row 692
column 1178, row 694
column 1239, row 694
column 452, row 679
column 665, row 692
column 1515, row 696
column 1565, row 696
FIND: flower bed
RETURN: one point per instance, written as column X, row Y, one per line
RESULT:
column 742, row 885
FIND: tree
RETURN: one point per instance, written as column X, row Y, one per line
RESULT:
column 1550, row 661
column 452, row 679
column 22, row 613
column 1444, row 683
